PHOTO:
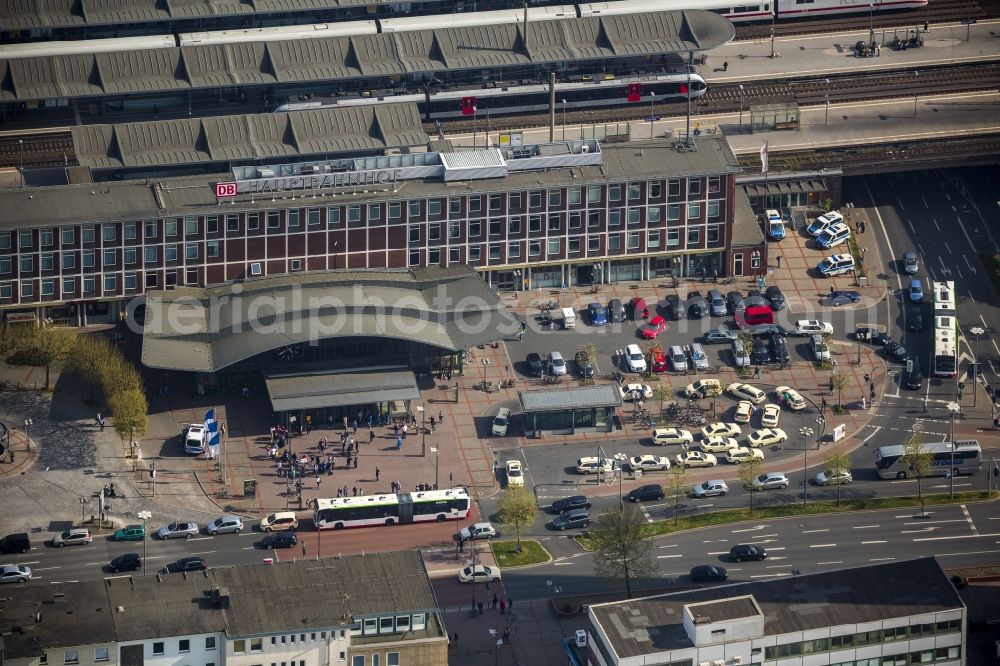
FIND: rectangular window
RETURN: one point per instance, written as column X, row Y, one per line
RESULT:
column 633, row 240
column 273, row 219
column 514, row 225
column 534, row 223
column 454, row 230
column 314, row 217
column 593, row 194
column 87, row 233
column 402, row 623
column 434, row 208
column 419, row 621
column 634, row 192
column 414, row 258
column 374, row 212
column 68, row 286
column 514, row 201
column 674, row 187
column 634, row 216
column 169, row 228
column 576, row 220
column 395, row 210
column 713, row 208
column 494, row 253
column 27, row 263
column 129, row 256
column 149, row 254
column 513, row 251
column 256, row 644
column 24, row 239
column 694, row 236
column 212, row 248
column 232, row 222
column 391, row 659
column 130, row 231
column 48, row 287
column 101, row 654
column 615, row 218
column 414, row 233
column 184, row 645
column 414, row 209
column 5, row 239
column 454, row 206
column 253, row 221
column 110, row 259
column 534, row 248
column 69, row 235
column 694, row 211
column 714, row 184
column 434, row 232
column 614, row 193
column 655, row 189
column 211, row 225
column 110, row 284
column 694, row 187
column 333, row 217
column 455, row 255
column 713, row 235
column 574, row 244
column 653, row 215
column 295, row 264
column 554, row 222
column 614, row 242
column 27, row 289
column 554, row 246
column 46, row 261
column 593, row 244
column 386, row 625
column 46, row 237
column 109, row 232
column 158, row 648
column 190, row 226
column 653, row 239
column 376, row 659
column 5, row 264
column 593, row 219
column 293, row 218
column 89, row 284
column 358, row 660
column 494, row 203
column 88, row 258
column 475, row 254
column 575, row 195
column 673, row 213
column 370, row 626
column 71, row 657
column 535, row 199
column 170, row 252
column 433, row 256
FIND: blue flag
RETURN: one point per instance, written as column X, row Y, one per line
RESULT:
column 213, row 428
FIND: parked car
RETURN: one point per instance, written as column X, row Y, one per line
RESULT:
column 281, row 540
column 696, row 459
column 720, row 429
column 597, row 314
column 766, row 436
column 747, row 553
column 734, row 302
column 770, row 416
column 823, row 221
column 843, row 297
column 713, row 488
column 126, row 562
column 835, row 264
column 635, row 392
column 501, row 422
column 775, row 225
column 696, row 354
column 572, row 502
column 186, row 564
column 703, row 388
column 678, row 359
column 649, row 462
column 760, row 354
column 557, row 364
column 130, row 533
column 570, row 519
column 282, row 520
column 820, row 350
column 719, row 335
column 743, row 391
column 915, row 319
column 479, row 573
column 659, row 360
column 536, row 367
column 805, row 327
column 616, row 311
column 477, row 531
column 178, row 531
column 584, row 366
column 764, row 330
column 778, row 349
column 15, row 573
column 665, row 436
column 743, row 454
column 791, row 398
column 635, row 360
column 18, row 542
column 916, row 291
column 75, row 537
column 834, row 478
column 910, row 264
column 647, row 493
column 675, row 309
column 770, row 481
column 591, row 465
column 515, row 475
column 653, row 328
column 706, row 573
column 872, row 336
column 697, row 306
column 227, row 524
column 717, row 445
column 740, row 357
column 755, row 299
column 832, row 236
column 744, row 410
column 716, row 303
column 775, row 297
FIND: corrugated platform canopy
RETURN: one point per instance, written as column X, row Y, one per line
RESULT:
column 340, row 389
column 581, row 397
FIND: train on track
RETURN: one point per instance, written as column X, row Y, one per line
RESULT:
column 750, row 11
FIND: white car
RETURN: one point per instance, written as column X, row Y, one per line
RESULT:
column 771, row 415
column 820, row 350
column 649, row 462
column 834, row 478
column 515, row 477
column 743, row 454
column 75, row 537
column 557, row 364
column 704, row 388
column 771, row 480
column 720, row 429
column 590, row 465
column 696, row 459
column 790, row 397
column 477, row 531
column 15, row 573
column 664, row 436
column 718, row 444
column 766, row 436
column 740, row 355
column 633, row 391
column 713, row 488
column 744, row 410
column 635, row 360
column 746, row 392
column 813, row 327
column 479, row 574
column 501, row 422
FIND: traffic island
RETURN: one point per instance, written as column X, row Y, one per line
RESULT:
column 531, row 553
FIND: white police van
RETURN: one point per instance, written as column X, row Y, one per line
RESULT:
column 835, row 264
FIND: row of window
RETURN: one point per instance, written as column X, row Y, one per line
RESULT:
column 911, row 659
column 256, row 645
column 73, row 656
column 314, row 217
column 862, row 639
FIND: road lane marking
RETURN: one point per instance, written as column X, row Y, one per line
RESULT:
column 961, row 536
column 865, row 543
column 94, row 564
column 780, row 557
column 750, row 529
column 881, row 559
column 673, row 545
column 45, row 568
column 772, row 575
column 972, row 525
column 811, row 531
column 562, row 564
column 717, row 552
column 204, row 552
column 971, row 552
column 823, row 545
column 665, row 557
column 926, row 513
column 928, row 522
column 926, row 529
column 778, row 566
column 776, row 548
column 865, row 527
column 834, row 562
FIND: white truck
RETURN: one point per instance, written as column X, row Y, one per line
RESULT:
column 568, row 318
column 195, row 437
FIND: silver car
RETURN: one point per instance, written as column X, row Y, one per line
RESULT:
column 716, row 303
column 714, row 488
column 770, row 480
column 557, row 364
column 227, row 524
column 178, row 531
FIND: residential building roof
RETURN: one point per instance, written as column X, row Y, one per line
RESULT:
column 36, row 617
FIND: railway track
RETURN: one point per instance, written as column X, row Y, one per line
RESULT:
column 804, row 91
column 37, row 149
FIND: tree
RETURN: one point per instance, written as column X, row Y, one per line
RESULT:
column 744, row 340
column 750, row 470
column 839, row 381
column 517, row 507
column 652, row 350
column 918, row 462
column 41, row 345
column 128, row 409
column 676, row 476
column 621, row 547
column 591, row 352
column 837, row 462
column 663, row 392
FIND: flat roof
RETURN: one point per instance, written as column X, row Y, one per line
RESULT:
column 194, row 195
column 328, row 59
column 719, row 610
column 339, row 389
column 207, row 329
column 746, row 230
column 576, row 397
column 69, row 617
column 792, row 604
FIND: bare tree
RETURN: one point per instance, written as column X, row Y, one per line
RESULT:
column 749, row 471
column 622, row 550
column 839, row 381
column 918, row 462
column 676, row 476
column 836, row 462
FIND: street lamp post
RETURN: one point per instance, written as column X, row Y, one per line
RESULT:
column 954, row 408
column 437, row 458
column 564, row 120
column 976, row 331
column 652, row 118
column 827, row 121
column 806, row 433
column 916, row 76
column 741, row 107
column 774, row 54
column 871, row 27
column 27, row 439
column 144, row 516
column 423, row 432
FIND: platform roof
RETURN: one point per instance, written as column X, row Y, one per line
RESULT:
column 249, row 137
column 340, row 389
column 563, row 398
column 207, row 329
column 307, row 60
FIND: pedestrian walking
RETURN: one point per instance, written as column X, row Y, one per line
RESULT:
column 725, row 66
column 822, row 405
column 871, row 387
column 756, row 372
column 872, row 396
column 831, row 288
column 378, row 473
column 432, row 423
column 319, row 480
column 441, row 417
column 405, row 429
column 510, row 604
column 455, row 640
column 503, row 607
column 778, row 259
column 506, row 635
column 345, row 423
column 370, row 421
column 496, row 599
column 867, row 378
column 355, row 461
column 480, row 605
column 864, row 405
column 371, row 436
column 399, row 443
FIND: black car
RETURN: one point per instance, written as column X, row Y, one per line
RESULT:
column 755, row 298
column 568, row 503
column 734, row 302
column 747, row 552
column 760, row 355
column 187, row 564
column 777, row 298
column 871, row 335
column 15, row 543
column 645, row 493
column 697, row 306
column 913, row 376
column 915, row 319
column 675, row 309
column 126, row 562
column 765, row 330
column 281, row 540
column 584, row 367
column 706, row 573
column 536, row 368
column 778, row 348
column 571, row 518
column 616, row 311
column 895, row 351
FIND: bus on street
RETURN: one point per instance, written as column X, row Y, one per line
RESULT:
column 965, row 458
column 391, row 509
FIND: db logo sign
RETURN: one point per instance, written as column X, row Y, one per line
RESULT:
column 225, row 190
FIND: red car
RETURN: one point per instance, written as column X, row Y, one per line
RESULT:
column 659, row 363
column 655, row 326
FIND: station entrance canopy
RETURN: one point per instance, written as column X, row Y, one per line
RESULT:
column 208, row 329
column 312, row 391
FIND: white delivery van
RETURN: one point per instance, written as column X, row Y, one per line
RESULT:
column 569, row 318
